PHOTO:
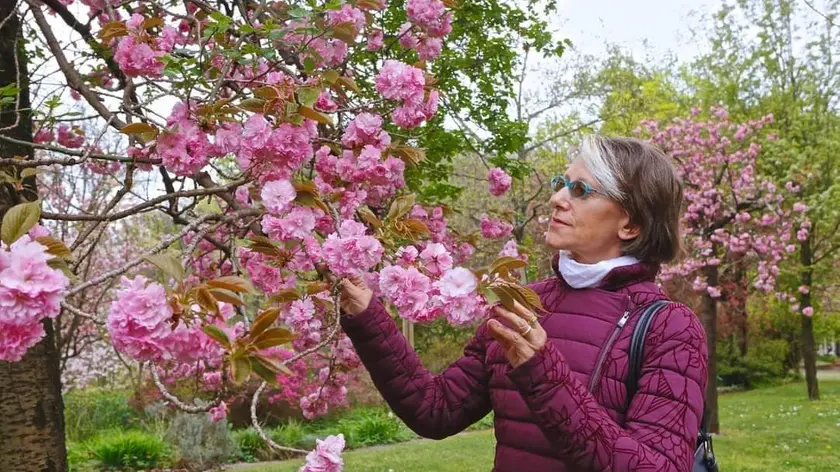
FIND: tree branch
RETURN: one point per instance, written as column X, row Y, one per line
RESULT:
column 74, row 80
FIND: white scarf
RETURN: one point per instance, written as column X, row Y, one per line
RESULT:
column 579, row 275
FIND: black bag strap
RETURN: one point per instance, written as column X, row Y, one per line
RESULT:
column 636, row 357
column 637, row 347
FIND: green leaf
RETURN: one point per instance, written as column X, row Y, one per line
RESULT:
column 507, row 264
column 226, row 296
column 273, row 337
column 284, row 296
column 169, row 265
column 206, row 300
column 263, row 321
column 232, row 283
column 315, row 115
column 216, row 333
column 55, row 247
column 401, row 206
column 61, row 264
column 240, row 368
column 307, row 96
column 272, row 365
column 19, row 220
column 262, row 370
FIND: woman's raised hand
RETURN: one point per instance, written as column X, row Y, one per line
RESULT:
column 354, row 295
column 519, row 332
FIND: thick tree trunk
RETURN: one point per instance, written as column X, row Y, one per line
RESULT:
column 31, row 407
column 809, row 354
column 708, row 315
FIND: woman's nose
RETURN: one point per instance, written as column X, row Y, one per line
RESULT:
column 560, row 199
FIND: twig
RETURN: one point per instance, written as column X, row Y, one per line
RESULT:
column 66, row 161
column 81, row 313
column 160, row 247
column 148, row 204
column 177, row 402
column 71, row 74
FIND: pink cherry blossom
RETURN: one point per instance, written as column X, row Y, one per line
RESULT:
column 219, row 412
column 326, row 457
column 350, row 251
column 30, row 290
column 436, row 259
column 407, row 289
column 347, row 14
column 500, row 181
column 139, row 319
column 457, row 282
column 278, row 195
column 494, row 229
column 376, row 39
column 808, row 311
column 15, row 339
column 398, row 81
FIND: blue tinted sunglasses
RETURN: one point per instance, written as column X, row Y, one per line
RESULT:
column 577, row 188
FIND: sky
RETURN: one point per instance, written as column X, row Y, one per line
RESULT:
column 664, row 24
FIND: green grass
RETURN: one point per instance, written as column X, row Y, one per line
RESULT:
column 768, row 429
column 472, row 451
column 777, row 428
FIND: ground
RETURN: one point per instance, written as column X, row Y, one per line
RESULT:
column 763, row 430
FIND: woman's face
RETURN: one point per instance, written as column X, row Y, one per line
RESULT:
column 591, row 227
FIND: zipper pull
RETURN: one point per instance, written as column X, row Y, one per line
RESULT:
column 623, row 320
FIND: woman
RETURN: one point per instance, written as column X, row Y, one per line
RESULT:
column 556, row 382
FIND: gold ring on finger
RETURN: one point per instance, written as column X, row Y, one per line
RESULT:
column 528, row 330
column 533, row 321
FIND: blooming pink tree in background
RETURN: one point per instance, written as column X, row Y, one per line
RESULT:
column 279, row 164
column 737, row 226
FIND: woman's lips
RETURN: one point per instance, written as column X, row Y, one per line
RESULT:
column 558, row 222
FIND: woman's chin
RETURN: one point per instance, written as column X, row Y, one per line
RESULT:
column 553, row 241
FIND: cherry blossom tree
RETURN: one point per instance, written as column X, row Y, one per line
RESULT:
column 737, row 225
column 280, row 162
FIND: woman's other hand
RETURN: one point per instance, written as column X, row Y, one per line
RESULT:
column 354, row 295
column 519, row 332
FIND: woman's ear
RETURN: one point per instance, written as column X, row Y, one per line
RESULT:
column 628, row 230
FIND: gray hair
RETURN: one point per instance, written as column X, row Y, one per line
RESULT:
column 643, row 180
column 599, row 160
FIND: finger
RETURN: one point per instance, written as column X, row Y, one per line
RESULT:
column 506, row 336
column 523, row 312
column 358, row 281
column 513, row 321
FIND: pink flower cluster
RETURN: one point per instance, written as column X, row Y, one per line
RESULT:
column 326, row 457
column 760, row 233
column 400, row 82
column 500, row 181
column 30, row 290
column 350, row 251
column 183, row 147
column 494, row 229
column 140, row 325
column 419, row 298
column 139, row 54
column 274, row 152
column 428, row 23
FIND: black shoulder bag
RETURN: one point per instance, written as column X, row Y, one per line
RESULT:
column 704, row 454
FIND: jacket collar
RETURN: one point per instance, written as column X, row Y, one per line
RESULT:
column 619, row 277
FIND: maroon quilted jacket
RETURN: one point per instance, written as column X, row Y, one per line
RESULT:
column 564, row 409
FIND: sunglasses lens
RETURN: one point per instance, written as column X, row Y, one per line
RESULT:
column 577, row 190
column 556, row 183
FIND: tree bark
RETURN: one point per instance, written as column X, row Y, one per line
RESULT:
column 809, row 354
column 708, row 315
column 31, row 407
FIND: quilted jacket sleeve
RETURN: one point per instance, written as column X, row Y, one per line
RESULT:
column 663, row 418
column 433, row 406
